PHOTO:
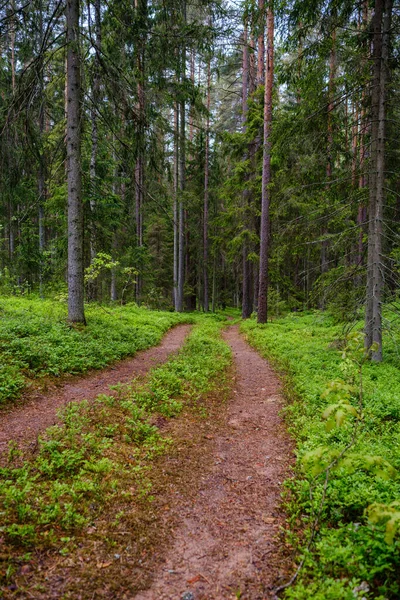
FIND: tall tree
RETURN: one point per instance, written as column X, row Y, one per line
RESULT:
column 206, row 191
column 182, row 173
column 266, row 169
column 76, row 312
column 246, row 277
column 382, row 19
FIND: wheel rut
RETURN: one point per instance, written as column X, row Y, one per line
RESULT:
column 24, row 422
column 227, row 543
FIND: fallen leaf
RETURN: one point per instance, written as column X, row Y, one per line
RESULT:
column 268, row 519
column 26, row 569
column 103, row 565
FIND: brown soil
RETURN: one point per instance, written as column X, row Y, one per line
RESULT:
column 228, row 543
column 213, row 530
column 25, row 421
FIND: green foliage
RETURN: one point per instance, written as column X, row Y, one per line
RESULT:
column 355, row 447
column 36, row 340
column 101, row 263
column 390, row 514
column 102, row 449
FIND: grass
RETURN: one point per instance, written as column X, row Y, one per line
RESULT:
column 36, row 340
column 100, row 456
column 350, row 557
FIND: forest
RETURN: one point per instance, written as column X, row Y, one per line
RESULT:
column 199, row 306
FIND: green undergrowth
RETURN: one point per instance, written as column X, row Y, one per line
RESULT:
column 101, row 452
column 37, row 341
column 348, row 441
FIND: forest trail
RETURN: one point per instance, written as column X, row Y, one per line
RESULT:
column 25, row 421
column 227, row 543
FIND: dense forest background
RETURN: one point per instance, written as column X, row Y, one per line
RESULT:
column 194, row 156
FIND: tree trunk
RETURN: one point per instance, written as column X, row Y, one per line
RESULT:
column 361, row 215
column 182, row 184
column 266, row 172
column 261, row 49
column 75, row 210
column 375, row 268
column 140, row 5
column 329, row 163
column 175, row 206
column 205, row 210
column 94, row 124
column 246, row 271
column 42, row 191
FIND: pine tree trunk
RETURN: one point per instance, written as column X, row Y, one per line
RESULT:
column 42, row 191
column 262, row 314
column 181, row 217
column 375, row 268
column 94, row 126
column 140, row 5
column 175, row 206
column 361, row 215
column 205, row 209
column 75, row 210
column 182, row 184
column 246, row 271
column 329, row 164
column 261, row 48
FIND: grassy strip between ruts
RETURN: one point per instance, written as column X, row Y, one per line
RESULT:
column 355, row 550
column 37, row 341
column 100, row 455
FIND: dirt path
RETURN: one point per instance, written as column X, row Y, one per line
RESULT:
column 227, row 543
column 24, row 422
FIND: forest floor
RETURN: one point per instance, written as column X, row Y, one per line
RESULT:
column 213, row 529
column 37, row 409
column 228, row 540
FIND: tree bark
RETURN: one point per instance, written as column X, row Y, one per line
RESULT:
column 375, row 274
column 329, row 163
column 74, row 180
column 206, row 198
column 262, row 314
column 175, row 206
column 182, row 182
column 140, row 6
column 246, row 270
column 361, row 215
column 94, row 127
column 261, row 48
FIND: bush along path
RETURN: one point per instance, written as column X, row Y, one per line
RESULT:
column 170, row 489
column 24, row 422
